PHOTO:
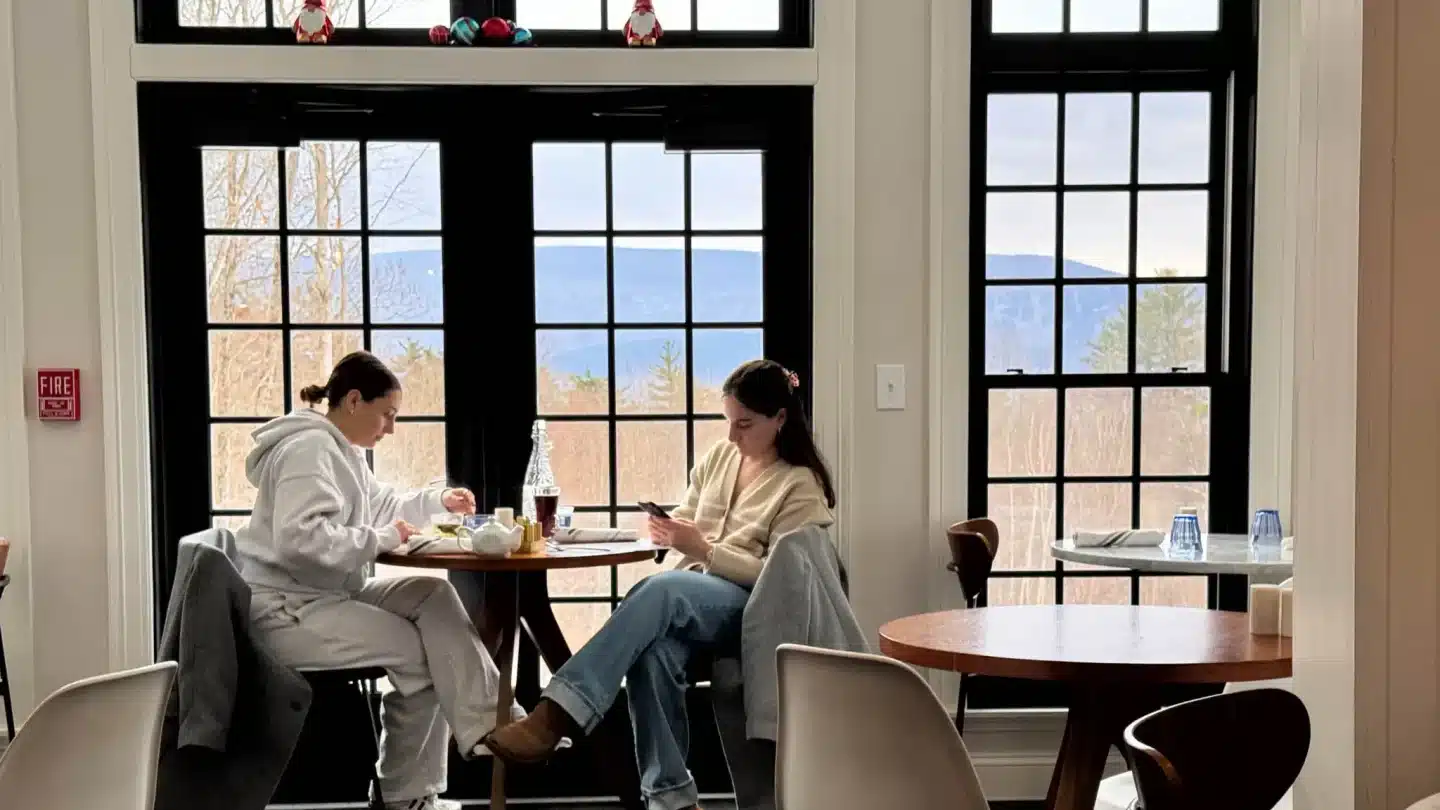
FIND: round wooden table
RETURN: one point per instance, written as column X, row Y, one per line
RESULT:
column 508, row 595
column 1116, row 659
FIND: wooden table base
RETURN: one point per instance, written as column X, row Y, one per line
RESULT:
column 1096, row 722
column 503, row 605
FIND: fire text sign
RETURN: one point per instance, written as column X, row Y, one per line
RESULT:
column 58, row 393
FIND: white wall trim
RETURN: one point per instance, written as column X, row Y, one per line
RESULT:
column 17, row 603
column 519, row 66
column 833, row 254
column 124, row 368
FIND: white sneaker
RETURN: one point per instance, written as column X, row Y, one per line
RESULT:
column 431, row 802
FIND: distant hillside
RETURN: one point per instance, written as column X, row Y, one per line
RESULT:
column 649, row 287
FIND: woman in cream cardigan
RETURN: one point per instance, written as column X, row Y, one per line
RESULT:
column 765, row 481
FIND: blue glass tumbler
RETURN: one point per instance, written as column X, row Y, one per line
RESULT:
column 1265, row 530
column 1185, row 534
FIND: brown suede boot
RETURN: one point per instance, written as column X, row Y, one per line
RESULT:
column 533, row 739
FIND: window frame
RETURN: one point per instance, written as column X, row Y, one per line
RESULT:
column 487, row 448
column 158, row 21
column 1222, row 63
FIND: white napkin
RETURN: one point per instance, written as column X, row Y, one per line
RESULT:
column 1115, row 539
column 571, row 535
column 423, row 544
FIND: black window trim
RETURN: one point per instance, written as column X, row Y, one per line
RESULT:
column 487, row 447
column 1222, row 62
column 158, row 21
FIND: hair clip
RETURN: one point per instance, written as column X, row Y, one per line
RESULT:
column 793, row 379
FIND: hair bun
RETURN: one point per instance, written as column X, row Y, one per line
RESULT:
column 313, row 394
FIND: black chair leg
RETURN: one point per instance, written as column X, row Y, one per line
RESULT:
column 5, row 692
column 367, row 690
column 960, row 705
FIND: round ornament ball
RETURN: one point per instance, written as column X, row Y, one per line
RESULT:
column 464, row 30
column 524, row 37
column 440, row 34
column 495, row 28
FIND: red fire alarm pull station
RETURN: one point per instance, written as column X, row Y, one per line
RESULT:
column 58, row 394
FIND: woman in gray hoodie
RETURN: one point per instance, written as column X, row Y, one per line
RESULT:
column 319, row 522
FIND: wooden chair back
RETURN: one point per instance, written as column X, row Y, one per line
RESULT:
column 1239, row 750
column 973, row 546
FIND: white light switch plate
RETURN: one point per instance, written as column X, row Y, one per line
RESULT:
column 890, row 387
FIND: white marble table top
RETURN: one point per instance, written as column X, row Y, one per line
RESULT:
column 1222, row 554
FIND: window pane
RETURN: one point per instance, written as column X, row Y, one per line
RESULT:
column 1097, row 590
column 1160, row 501
column 580, row 458
column 413, row 457
column 648, row 187
column 650, row 462
column 1020, row 590
column 708, row 433
column 1020, row 235
column 1020, row 330
column 1025, row 514
column 1176, row 591
column 578, row 622
column 572, row 371
column 1184, row 15
column 230, row 14
column 673, row 15
column 418, row 358
column 727, row 191
column 229, row 488
column 404, row 187
column 1175, row 431
column 1021, row 133
column 739, row 15
column 243, row 278
column 1097, row 234
column 1099, row 431
column 407, row 279
column 322, row 185
column 649, row 280
column 245, row 373
column 1096, row 507
column 1096, row 329
column 232, row 522
column 241, row 187
column 1174, row 137
column 314, row 353
column 406, row 13
column 717, row 353
column 570, row 282
column 1170, row 328
column 569, row 181
column 582, row 581
column 728, row 278
column 1025, row 16
column 1104, row 15
column 650, row 371
column 343, row 13
column 325, row 279
column 1170, row 233
column 1022, row 433
column 558, row 14
column 1097, row 138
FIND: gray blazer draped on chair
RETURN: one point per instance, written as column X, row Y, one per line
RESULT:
column 236, row 712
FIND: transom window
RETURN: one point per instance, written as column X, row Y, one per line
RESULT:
column 1110, row 275
column 686, row 23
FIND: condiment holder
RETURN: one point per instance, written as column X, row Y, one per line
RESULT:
column 1272, row 610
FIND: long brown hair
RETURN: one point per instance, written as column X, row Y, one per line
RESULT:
column 766, row 387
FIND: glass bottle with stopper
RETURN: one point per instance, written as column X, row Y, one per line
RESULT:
column 540, row 496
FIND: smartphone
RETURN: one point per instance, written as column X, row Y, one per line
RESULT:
column 652, row 509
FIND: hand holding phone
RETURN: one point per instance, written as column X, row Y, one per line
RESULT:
column 653, row 510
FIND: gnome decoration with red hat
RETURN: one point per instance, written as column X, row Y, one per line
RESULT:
column 642, row 28
column 313, row 24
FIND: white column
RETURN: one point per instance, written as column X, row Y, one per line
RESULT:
column 1366, row 207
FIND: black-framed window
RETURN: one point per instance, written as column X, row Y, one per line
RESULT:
column 1110, row 272
column 595, row 23
column 589, row 265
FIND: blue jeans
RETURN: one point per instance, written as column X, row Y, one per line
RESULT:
column 648, row 641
